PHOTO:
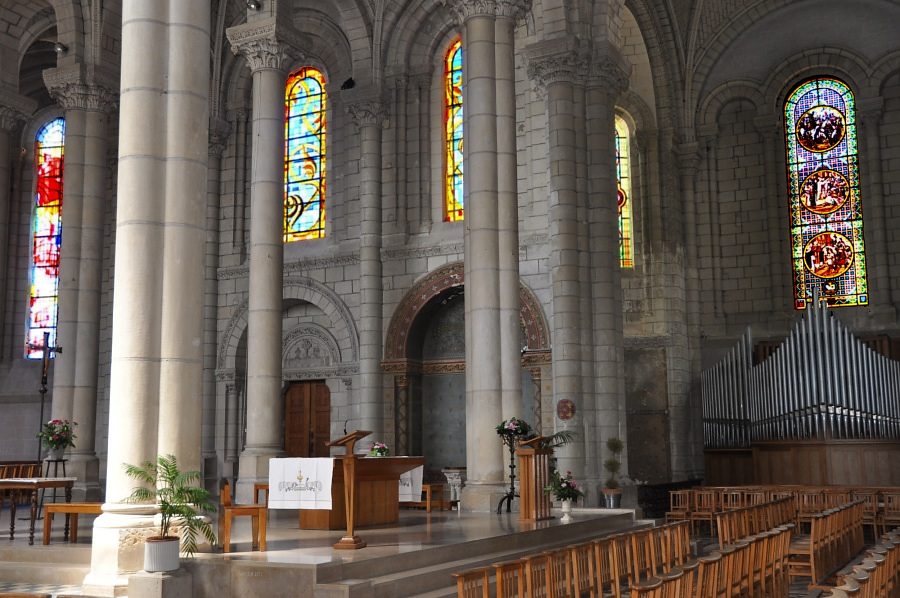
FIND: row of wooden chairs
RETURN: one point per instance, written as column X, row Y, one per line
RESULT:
column 748, row 521
column 29, row 469
column 836, row 536
column 755, row 566
column 600, row 568
column 875, row 575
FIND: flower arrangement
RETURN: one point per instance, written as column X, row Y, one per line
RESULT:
column 58, row 434
column 512, row 429
column 564, row 487
column 379, row 449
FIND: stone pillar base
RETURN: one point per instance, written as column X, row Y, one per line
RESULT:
column 87, row 469
column 118, row 548
column 253, row 467
column 484, row 498
column 173, row 584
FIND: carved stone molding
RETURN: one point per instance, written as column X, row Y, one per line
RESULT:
column 14, row 108
column 449, row 366
column 339, row 371
column 464, row 10
column 512, row 9
column 237, row 272
column 611, row 73
column 309, row 346
column 401, row 253
column 265, row 45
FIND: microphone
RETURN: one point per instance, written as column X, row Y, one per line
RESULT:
column 345, row 426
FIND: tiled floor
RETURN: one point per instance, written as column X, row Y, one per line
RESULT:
column 40, row 589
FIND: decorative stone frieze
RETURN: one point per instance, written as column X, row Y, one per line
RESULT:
column 463, row 10
column 265, row 45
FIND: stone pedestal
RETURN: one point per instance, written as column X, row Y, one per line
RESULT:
column 174, row 584
column 118, row 548
column 483, row 498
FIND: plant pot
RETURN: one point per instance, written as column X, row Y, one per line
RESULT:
column 612, row 498
column 567, row 511
column 56, row 453
column 161, row 554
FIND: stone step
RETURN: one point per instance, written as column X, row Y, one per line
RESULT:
column 59, row 552
column 43, row 573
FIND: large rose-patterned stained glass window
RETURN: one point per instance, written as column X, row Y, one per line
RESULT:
column 46, row 235
column 827, row 250
column 454, row 208
column 305, row 130
column 623, row 195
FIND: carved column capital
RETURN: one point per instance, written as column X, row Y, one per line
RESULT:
column 554, row 61
column 512, row 9
column 610, row 73
column 367, row 113
column 81, row 87
column 218, row 137
column 264, row 45
column 14, row 108
column 463, row 10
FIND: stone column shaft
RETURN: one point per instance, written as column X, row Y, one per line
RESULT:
column 508, row 221
column 483, row 384
column 882, row 298
column 369, row 411
column 267, row 57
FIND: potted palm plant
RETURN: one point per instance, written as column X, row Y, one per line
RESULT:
column 181, row 502
column 612, row 493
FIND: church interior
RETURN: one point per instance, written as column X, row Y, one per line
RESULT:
column 666, row 232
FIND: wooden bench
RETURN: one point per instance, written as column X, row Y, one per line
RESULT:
column 71, row 510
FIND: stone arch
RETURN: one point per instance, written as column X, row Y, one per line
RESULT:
column 34, row 29
column 886, row 66
column 445, row 278
column 343, row 327
column 712, row 104
column 845, row 65
column 635, row 110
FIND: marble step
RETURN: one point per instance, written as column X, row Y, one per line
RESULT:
column 57, row 553
column 43, row 573
column 429, row 572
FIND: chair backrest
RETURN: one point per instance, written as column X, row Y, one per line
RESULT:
column 225, row 493
column 510, row 577
column 473, row 583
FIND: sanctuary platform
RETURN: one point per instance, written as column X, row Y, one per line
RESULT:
column 414, row 558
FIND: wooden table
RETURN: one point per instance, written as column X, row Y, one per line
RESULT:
column 34, row 485
column 378, row 480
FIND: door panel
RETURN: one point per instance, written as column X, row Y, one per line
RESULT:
column 307, row 419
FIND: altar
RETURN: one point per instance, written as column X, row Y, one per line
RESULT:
column 377, row 503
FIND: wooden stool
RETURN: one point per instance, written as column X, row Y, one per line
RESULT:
column 71, row 510
column 257, row 513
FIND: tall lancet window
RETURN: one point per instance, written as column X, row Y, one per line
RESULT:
column 46, row 236
column 454, row 207
column 305, row 131
column 623, row 195
column 827, row 250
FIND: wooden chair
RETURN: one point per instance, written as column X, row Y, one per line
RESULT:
column 708, row 574
column 584, row 578
column 870, row 510
column 891, row 515
column 473, row 583
column 71, row 511
column 706, row 503
column 679, row 506
column 510, row 578
column 258, row 514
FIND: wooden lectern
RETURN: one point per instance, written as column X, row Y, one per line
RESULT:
column 350, row 541
column 534, row 476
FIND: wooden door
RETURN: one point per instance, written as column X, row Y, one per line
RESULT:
column 307, row 419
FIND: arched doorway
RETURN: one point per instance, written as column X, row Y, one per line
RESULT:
column 425, row 350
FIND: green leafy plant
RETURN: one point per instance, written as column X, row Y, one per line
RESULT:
column 180, row 498
column 613, row 465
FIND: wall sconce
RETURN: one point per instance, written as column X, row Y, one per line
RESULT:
column 60, row 48
column 253, row 4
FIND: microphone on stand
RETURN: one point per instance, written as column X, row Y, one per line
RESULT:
column 345, row 426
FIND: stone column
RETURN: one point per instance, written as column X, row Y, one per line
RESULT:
column 552, row 65
column 267, row 57
column 13, row 110
column 368, row 413
column 608, row 79
column 81, row 256
column 155, row 380
column 484, row 457
column 218, row 138
column 881, row 294
column 508, row 209
column 769, row 129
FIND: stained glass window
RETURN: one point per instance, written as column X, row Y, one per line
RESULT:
column 623, row 195
column 454, row 208
column 827, row 250
column 305, row 129
column 46, row 235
